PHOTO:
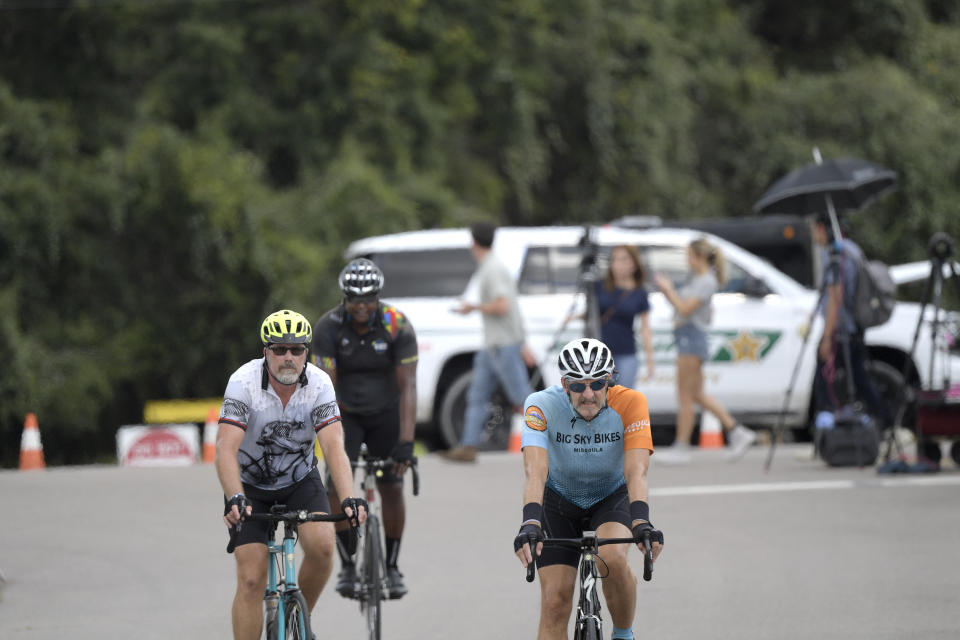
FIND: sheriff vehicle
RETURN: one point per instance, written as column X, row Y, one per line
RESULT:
column 760, row 319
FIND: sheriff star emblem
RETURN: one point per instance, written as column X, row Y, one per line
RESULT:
column 745, row 347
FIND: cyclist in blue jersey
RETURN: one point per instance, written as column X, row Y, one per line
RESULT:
column 586, row 449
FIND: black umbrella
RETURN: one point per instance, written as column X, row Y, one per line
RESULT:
column 841, row 183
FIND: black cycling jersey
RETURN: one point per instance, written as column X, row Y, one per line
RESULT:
column 365, row 365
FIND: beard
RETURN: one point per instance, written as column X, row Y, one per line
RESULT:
column 287, row 375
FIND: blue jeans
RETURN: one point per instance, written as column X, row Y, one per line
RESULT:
column 627, row 366
column 492, row 367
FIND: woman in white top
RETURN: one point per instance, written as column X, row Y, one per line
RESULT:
column 692, row 316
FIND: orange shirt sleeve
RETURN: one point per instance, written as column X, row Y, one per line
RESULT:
column 632, row 407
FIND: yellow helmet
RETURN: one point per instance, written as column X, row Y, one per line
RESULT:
column 287, row 327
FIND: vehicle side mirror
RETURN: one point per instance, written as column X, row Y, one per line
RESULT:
column 754, row 287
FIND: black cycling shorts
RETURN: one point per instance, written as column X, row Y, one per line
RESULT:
column 307, row 494
column 563, row 519
column 380, row 431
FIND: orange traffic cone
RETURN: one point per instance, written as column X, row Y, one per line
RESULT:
column 31, row 449
column 210, row 435
column 516, row 432
column 711, row 433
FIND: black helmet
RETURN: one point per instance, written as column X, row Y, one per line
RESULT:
column 361, row 278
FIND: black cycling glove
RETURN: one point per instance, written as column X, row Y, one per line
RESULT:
column 240, row 501
column 354, row 504
column 639, row 529
column 402, row 452
column 529, row 533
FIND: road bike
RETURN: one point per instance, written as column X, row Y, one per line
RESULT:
column 286, row 614
column 589, row 623
column 371, row 557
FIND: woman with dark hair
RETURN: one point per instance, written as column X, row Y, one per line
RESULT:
column 691, row 320
column 621, row 297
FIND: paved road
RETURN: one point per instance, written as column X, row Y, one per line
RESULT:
column 802, row 552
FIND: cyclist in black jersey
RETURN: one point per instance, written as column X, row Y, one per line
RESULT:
column 369, row 350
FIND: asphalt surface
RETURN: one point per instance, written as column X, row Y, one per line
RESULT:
column 804, row 551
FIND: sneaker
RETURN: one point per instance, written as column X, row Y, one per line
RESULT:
column 463, row 453
column 675, row 454
column 741, row 438
column 395, row 587
column 347, row 581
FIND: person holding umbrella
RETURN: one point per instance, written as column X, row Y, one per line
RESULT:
column 821, row 189
column 840, row 285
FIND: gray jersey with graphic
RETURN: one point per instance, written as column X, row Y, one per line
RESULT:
column 277, row 448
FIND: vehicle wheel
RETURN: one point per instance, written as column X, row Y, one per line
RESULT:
column 889, row 384
column 372, row 576
column 298, row 617
column 892, row 387
column 496, row 430
column 930, row 449
column 955, row 452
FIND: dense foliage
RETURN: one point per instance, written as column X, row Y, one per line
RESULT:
column 171, row 172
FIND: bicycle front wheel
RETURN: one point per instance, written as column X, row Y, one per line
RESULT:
column 372, row 576
column 297, row 616
column 587, row 629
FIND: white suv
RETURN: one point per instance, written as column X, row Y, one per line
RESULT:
column 759, row 322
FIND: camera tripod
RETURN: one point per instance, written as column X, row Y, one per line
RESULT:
column 940, row 250
column 586, row 284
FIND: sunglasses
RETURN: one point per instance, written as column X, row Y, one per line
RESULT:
column 580, row 387
column 362, row 299
column 279, row 349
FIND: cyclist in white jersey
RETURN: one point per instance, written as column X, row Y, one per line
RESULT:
column 586, row 450
column 273, row 409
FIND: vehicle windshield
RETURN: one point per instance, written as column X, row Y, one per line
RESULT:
column 557, row 269
column 427, row 273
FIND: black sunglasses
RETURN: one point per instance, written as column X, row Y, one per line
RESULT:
column 280, row 349
column 580, row 387
column 362, row 299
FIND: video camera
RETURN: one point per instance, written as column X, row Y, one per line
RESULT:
column 940, row 247
column 588, row 253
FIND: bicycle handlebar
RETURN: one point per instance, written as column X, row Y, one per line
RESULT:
column 280, row 513
column 589, row 543
column 376, row 465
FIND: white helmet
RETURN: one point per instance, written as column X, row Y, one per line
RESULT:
column 585, row 359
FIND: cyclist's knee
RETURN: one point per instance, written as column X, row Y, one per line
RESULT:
column 618, row 567
column 556, row 605
column 251, row 579
column 391, row 490
column 317, row 541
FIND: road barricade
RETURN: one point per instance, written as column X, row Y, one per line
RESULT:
column 166, row 445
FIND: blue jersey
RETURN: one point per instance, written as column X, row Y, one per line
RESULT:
column 586, row 458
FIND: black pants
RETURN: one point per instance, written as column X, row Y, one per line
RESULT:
column 862, row 382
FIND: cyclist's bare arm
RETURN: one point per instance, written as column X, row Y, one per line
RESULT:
column 535, row 467
column 407, row 382
column 635, row 465
column 330, row 438
column 229, row 439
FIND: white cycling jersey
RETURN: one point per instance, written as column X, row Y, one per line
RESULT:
column 277, row 448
